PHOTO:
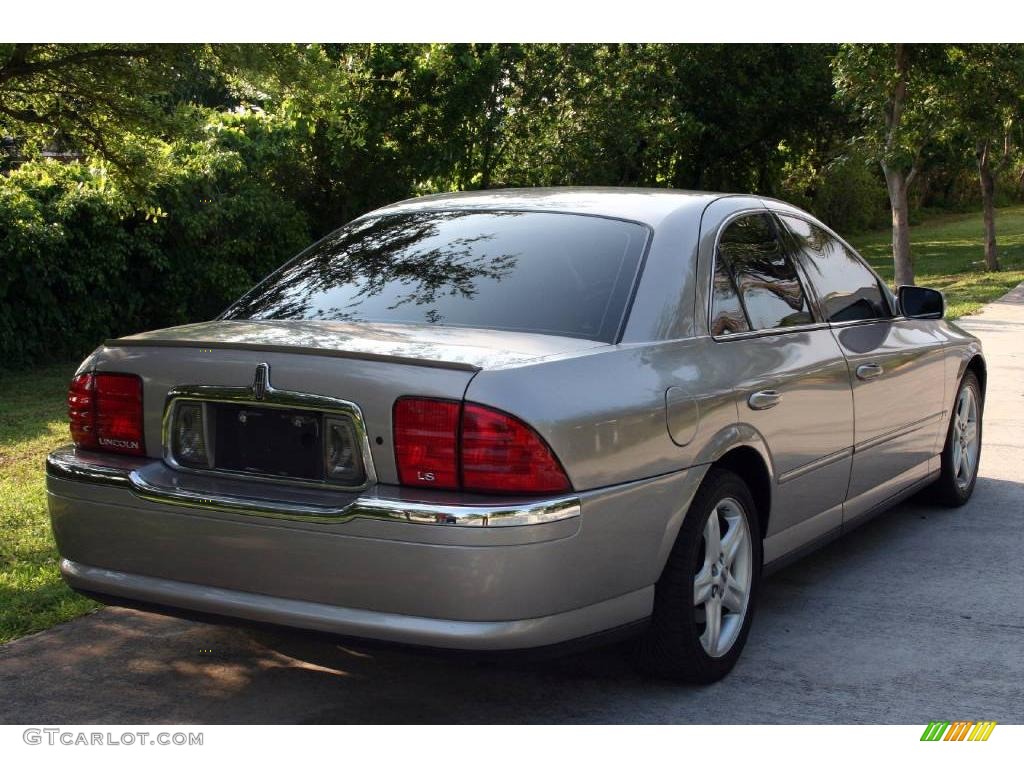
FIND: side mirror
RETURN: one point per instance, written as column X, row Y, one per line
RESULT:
column 920, row 303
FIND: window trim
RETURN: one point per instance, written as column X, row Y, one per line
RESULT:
column 886, row 293
column 816, row 325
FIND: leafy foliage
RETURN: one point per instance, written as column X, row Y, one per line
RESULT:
column 80, row 260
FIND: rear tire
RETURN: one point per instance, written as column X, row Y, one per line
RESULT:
column 961, row 452
column 698, row 585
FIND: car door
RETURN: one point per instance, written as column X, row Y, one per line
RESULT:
column 896, row 369
column 789, row 375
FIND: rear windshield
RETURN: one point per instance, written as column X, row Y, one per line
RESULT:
column 555, row 273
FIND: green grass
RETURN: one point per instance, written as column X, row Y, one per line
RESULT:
column 33, row 421
column 947, row 254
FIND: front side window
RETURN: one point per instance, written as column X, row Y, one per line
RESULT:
column 538, row 272
column 846, row 288
column 763, row 274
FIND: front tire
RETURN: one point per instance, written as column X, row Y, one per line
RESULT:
column 704, row 600
column 962, row 450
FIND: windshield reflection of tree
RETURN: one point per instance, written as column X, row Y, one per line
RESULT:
column 375, row 255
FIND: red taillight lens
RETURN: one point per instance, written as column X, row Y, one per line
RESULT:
column 82, row 410
column 119, row 412
column 426, row 442
column 445, row 444
column 105, row 410
column 501, row 454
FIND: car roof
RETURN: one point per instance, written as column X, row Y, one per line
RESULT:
column 648, row 206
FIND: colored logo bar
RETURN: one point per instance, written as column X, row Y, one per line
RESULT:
column 959, row 730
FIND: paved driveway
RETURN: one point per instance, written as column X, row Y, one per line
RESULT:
column 917, row 616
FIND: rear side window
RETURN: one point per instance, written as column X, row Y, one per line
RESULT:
column 762, row 275
column 728, row 316
column 846, row 288
column 538, row 272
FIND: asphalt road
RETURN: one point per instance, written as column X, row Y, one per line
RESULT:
column 917, row 616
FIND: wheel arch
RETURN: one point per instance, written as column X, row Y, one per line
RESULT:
column 748, row 463
column 742, row 450
column 977, row 365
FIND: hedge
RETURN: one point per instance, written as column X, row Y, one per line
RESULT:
column 81, row 260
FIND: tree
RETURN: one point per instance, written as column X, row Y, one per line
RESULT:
column 741, row 103
column 896, row 91
column 687, row 116
column 986, row 94
column 105, row 100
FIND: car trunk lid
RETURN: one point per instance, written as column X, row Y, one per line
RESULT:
column 468, row 349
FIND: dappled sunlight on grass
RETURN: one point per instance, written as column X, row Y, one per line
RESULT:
column 948, row 255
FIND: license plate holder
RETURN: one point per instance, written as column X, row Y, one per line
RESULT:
column 275, row 442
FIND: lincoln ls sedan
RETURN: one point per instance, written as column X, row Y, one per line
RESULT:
column 518, row 419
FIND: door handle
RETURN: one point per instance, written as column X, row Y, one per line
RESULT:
column 766, row 398
column 869, row 371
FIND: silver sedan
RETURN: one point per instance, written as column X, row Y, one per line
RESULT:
column 506, row 420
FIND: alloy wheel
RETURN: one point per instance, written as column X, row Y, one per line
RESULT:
column 965, row 442
column 721, row 587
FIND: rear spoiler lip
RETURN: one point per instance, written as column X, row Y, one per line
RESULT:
column 294, row 350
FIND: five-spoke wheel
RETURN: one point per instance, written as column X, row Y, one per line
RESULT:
column 962, row 451
column 965, row 437
column 721, row 587
column 704, row 600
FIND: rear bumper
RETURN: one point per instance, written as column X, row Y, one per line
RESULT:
column 355, row 622
column 449, row 575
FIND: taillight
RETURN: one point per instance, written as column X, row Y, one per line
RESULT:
column 105, row 411
column 82, row 410
column 426, row 442
column 502, row 454
column 445, row 444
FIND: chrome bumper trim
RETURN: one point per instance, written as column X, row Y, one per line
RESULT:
column 68, row 463
column 531, row 513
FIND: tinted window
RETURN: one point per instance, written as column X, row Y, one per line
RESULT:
column 763, row 273
column 551, row 273
column 727, row 314
column 847, row 289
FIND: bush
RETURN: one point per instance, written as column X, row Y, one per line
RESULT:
column 64, row 252
column 81, row 261
column 852, row 195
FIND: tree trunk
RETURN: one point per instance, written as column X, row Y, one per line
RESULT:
column 895, row 179
column 897, row 186
column 988, row 206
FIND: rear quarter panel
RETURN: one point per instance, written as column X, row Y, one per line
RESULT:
column 604, row 414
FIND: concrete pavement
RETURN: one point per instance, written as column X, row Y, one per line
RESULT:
column 916, row 616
